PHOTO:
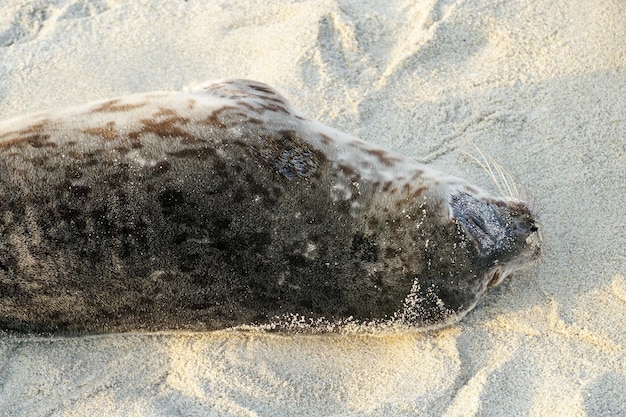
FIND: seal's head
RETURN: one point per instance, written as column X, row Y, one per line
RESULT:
column 503, row 232
column 466, row 242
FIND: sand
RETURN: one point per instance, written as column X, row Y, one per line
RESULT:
column 539, row 85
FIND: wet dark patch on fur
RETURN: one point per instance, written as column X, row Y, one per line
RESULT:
column 291, row 156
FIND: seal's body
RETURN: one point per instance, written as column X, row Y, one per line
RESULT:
column 223, row 206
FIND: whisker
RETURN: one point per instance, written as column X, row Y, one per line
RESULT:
column 501, row 178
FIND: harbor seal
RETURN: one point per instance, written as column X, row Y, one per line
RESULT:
column 223, row 206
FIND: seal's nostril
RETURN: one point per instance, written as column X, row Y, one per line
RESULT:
column 533, row 228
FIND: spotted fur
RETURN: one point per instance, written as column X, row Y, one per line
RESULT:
column 223, row 206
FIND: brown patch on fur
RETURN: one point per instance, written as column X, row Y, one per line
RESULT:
column 349, row 172
column 261, row 88
column 417, row 174
column 213, row 118
column 165, row 112
column 417, row 192
column 357, row 144
column 326, row 140
column 40, row 141
column 279, row 108
column 114, row 106
column 166, row 128
column 33, row 135
column 107, row 131
column 373, row 222
column 383, row 156
column 191, row 103
column 387, row 186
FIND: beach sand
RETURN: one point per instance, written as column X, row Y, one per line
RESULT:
column 538, row 85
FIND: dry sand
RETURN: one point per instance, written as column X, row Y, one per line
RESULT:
column 539, row 85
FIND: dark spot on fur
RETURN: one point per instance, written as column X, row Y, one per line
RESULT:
column 40, row 141
column 392, row 252
column 364, row 248
column 373, row 222
column 161, row 167
column 72, row 172
column 80, row 190
column 171, row 198
column 200, row 153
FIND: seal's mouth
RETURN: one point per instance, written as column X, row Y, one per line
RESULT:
column 496, row 277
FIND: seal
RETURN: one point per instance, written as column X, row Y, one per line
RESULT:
column 223, row 206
